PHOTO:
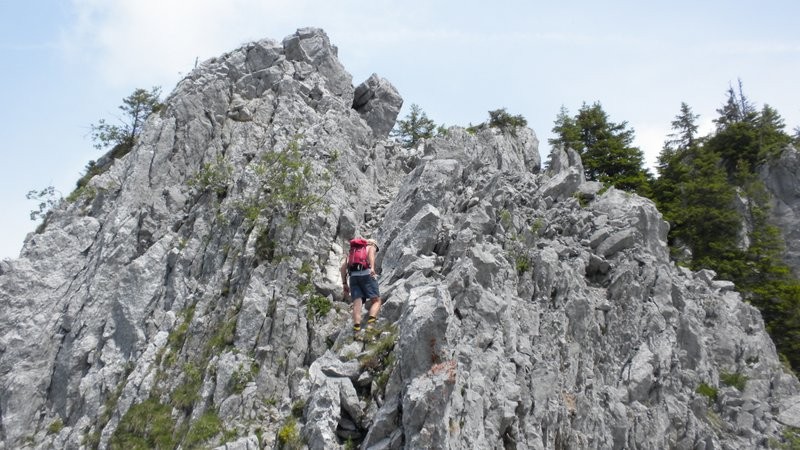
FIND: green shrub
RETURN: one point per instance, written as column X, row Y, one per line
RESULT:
column 205, row 428
column 55, row 426
column 537, row 226
column 289, row 436
column 707, row 391
column 145, row 426
column 213, row 177
column 224, row 336
column 318, row 306
column 506, row 220
column 289, row 183
column 177, row 337
column 189, row 392
column 501, row 119
column 791, row 437
column 298, row 408
column 523, row 264
column 736, row 380
column 376, row 357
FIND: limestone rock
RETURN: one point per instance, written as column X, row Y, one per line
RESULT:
column 378, row 103
column 521, row 309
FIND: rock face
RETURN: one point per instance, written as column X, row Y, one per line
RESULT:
column 190, row 295
column 782, row 179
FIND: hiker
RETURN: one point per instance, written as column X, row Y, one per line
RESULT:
column 360, row 265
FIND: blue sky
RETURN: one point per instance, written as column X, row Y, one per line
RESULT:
column 68, row 63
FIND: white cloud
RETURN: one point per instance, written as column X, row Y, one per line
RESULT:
column 141, row 41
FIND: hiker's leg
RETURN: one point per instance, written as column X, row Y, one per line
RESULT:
column 372, row 292
column 375, row 307
column 357, row 312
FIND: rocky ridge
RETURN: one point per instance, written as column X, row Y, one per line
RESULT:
column 177, row 302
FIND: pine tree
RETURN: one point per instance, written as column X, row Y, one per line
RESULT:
column 607, row 152
column 707, row 221
column 566, row 131
column 415, row 127
column 685, row 126
column 736, row 109
column 771, row 135
column 672, row 166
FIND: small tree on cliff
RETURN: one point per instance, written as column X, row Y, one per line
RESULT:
column 605, row 148
column 415, row 127
column 137, row 108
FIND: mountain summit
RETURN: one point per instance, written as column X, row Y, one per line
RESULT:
column 189, row 295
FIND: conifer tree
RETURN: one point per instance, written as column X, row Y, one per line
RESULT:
column 566, row 131
column 685, row 130
column 605, row 147
column 672, row 166
column 415, row 127
column 696, row 189
column 771, row 135
column 707, row 221
column 736, row 109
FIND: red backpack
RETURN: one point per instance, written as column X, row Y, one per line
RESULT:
column 357, row 257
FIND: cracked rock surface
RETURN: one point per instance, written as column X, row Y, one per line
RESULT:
column 523, row 308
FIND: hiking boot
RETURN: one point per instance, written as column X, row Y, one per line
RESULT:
column 358, row 333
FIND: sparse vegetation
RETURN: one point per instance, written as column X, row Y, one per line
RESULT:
column 736, row 380
column 48, row 199
column 537, row 226
column 213, row 177
column 500, row 118
column 376, row 354
column 289, row 183
column 298, row 408
column 506, row 220
column 177, row 336
column 203, row 429
column 55, row 426
column 791, row 440
column 305, row 286
column 189, row 392
column 318, row 307
column 145, row 426
column 223, row 337
column 523, row 264
column 289, row 436
column 708, row 391
column 136, row 107
column 241, row 376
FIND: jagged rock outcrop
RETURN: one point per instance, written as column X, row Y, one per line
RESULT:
column 190, row 295
column 378, row 102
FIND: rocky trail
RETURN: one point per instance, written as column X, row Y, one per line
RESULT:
column 189, row 295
